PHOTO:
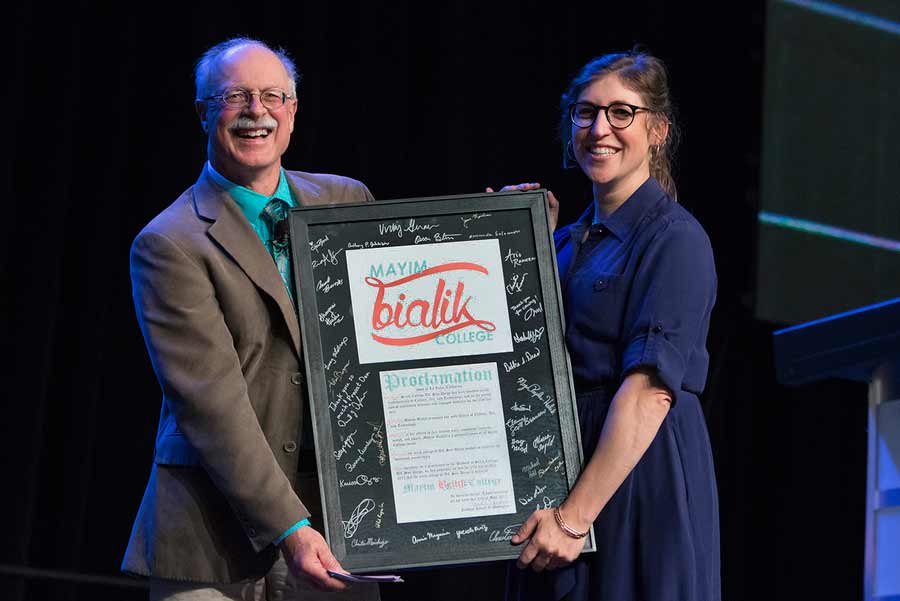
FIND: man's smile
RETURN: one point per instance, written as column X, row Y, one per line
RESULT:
column 251, row 133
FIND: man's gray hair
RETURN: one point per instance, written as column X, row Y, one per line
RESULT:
column 207, row 63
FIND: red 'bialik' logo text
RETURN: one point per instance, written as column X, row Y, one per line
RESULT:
column 445, row 313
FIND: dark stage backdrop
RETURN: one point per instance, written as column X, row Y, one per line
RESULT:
column 100, row 135
column 829, row 233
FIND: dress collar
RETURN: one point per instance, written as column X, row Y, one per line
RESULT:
column 623, row 220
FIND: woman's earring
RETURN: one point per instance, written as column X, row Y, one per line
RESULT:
column 569, row 160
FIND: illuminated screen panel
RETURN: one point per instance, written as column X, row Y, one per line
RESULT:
column 829, row 221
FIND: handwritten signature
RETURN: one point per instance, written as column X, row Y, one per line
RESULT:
column 360, row 480
column 538, row 393
column 338, row 375
column 545, row 503
column 330, row 317
column 370, row 542
column 327, row 285
column 525, row 358
column 517, row 423
column 314, row 246
column 380, row 515
column 516, row 259
column 519, row 445
column 531, row 336
column 348, row 442
column 532, row 465
column 543, row 442
column 538, row 490
column 329, row 257
column 471, row 530
column 474, row 217
column 528, row 307
column 350, row 526
column 516, row 283
column 429, row 536
column 336, row 349
column 555, row 464
column 504, row 535
column 398, row 229
column 376, row 438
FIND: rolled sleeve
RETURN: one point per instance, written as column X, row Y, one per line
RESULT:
column 668, row 315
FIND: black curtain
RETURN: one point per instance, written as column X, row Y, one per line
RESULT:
column 414, row 100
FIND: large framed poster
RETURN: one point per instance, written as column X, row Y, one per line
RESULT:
column 441, row 395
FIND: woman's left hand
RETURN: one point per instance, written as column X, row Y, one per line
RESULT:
column 552, row 203
column 549, row 547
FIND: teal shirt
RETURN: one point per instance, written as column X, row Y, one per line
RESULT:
column 251, row 204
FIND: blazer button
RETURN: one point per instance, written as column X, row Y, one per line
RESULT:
column 290, row 446
column 251, row 531
column 297, row 378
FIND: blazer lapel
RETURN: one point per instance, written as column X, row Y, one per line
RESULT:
column 305, row 192
column 231, row 230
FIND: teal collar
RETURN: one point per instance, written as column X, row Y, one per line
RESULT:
column 250, row 202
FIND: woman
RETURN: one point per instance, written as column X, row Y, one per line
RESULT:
column 639, row 284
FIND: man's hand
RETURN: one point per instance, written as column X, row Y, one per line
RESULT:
column 553, row 204
column 548, row 546
column 308, row 557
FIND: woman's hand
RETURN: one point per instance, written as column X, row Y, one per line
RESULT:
column 553, row 204
column 549, row 547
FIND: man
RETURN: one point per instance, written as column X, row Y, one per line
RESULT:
column 220, row 517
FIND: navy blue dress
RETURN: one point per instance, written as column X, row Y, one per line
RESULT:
column 638, row 293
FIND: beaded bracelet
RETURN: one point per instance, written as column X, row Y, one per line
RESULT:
column 566, row 528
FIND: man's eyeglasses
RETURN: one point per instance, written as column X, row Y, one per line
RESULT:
column 238, row 98
column 619, row 114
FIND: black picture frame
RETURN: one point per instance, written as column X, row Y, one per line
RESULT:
column 362, row 509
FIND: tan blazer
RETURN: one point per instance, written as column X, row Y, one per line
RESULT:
column 224, row 341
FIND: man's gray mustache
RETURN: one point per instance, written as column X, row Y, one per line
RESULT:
column 248, row 123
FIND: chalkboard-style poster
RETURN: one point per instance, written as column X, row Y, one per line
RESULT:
column 440, row 389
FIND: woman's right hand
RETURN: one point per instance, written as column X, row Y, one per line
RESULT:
column 553, row 204
column 548, row 546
